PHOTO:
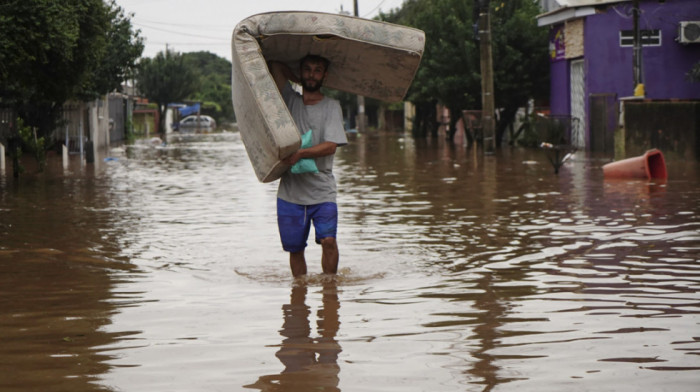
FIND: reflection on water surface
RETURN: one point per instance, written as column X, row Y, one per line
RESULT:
column 160, row 269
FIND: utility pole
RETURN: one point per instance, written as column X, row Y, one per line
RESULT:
column 637, row 53
column 360, row 98
column 487, row 97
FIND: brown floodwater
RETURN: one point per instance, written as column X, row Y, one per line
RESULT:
column 159, row 268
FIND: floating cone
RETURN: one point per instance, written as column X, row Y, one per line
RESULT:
column 647, row 166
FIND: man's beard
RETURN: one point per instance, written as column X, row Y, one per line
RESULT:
column 313, row 86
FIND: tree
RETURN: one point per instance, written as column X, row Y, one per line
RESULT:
column 449, row 73
column 521, row 63
column 122, row 48
column 165, row 79
column 449, row 70
column 214, row 74
column 52, row 52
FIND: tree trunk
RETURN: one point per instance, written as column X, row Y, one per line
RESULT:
column 425, row 122
column 381, row 118
column 455, row 115
column 161, row 119
column 506, row 118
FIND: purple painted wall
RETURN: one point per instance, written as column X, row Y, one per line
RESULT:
column 609, row 66
column 560, row 96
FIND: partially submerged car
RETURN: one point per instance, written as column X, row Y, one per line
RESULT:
column 195, row 122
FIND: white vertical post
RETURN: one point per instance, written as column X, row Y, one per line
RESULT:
column 2, row 159
column 361, row 119
column 65, row 157
column 82, row 137
column 95, row 128
column 80, row 131
column 67, row 118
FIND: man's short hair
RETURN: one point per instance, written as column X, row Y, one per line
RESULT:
column 314, row 58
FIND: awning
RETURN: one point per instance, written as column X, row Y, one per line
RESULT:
column 187, row 110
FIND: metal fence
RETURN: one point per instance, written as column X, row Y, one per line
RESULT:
column 558, row 130
column 7, row 124
column 71, row 128
column 559, row 136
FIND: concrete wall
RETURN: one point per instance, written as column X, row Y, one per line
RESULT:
column 672, row 127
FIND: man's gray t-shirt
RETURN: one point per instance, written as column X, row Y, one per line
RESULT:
column 325, row 120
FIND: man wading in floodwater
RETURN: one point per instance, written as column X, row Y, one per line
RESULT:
column 308, row 194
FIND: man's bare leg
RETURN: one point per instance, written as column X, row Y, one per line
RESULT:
column 330, row 256
column 298, row 263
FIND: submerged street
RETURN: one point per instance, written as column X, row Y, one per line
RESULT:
column 159, row 267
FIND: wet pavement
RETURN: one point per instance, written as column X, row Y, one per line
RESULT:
column 159, row 268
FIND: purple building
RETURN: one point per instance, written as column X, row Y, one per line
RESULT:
column 592, row 45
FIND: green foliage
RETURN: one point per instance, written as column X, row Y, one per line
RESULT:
column 121, row 48
column 214, row 74
column 211, row 106
column 530, row 137
column 521, row 63
column 450, row 71
column 42, row 41
column 55, row 51
column 165, row 79
column 129, row 131
column 32, row 143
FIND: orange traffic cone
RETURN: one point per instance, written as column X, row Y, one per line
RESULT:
column 650, row 165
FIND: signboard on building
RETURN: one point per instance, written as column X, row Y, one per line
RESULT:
column 557, row 45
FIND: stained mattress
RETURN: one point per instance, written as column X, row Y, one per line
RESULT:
column 370, row 58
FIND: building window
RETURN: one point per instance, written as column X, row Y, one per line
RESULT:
column 649, row 38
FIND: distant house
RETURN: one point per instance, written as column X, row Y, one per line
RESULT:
column 592, row 45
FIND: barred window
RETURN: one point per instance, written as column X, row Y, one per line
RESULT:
column 648, row 38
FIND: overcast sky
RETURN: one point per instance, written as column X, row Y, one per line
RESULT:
column 194, row 25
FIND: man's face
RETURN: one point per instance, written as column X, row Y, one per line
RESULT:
column 312, row 75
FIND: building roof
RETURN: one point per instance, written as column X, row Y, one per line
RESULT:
column 586, row 3
column 572, row 9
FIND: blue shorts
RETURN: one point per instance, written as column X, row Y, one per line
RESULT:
column 294, row 222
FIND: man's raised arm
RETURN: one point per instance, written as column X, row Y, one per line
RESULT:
column 281, row 73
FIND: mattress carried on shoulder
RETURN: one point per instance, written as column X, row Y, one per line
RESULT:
column 369, row 58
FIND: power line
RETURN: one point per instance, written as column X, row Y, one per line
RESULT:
column 374, row 9
column 178, row 32
column 198, row 25
column 184, row 43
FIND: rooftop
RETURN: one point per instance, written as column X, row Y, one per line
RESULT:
column 572, row 9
